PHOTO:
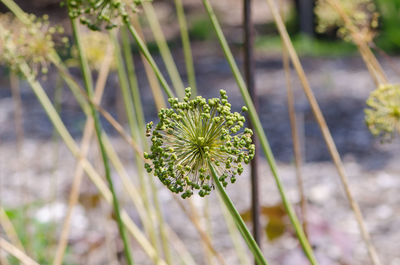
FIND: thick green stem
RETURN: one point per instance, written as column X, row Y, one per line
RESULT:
column 260, row 133
column 251, row 243
column 89, row 89
column 141, row 125
column 149, row 58
column 187, row 50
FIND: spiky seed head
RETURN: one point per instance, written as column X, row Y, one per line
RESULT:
column 193, row 133
column 383, row 113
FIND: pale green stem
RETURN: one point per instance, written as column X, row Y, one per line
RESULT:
column 164, row 49
column 89, row 89
column 187, row 50
column 130, row 68
column 130, row 112
column 251, row 243
column 260, row 133
column 150, row 60
column 135, row 93
column 239, row 249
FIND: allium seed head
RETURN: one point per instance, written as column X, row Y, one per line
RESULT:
column 193, row 133
column 383, row 115
column 102, row 14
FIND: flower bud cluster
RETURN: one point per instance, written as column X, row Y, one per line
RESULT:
column 193, row 133
column 32, row 42
column 383, row 113
column 102, row 14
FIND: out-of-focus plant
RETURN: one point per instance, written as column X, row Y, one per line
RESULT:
column 95, row 44
column 32, row 42
column 383, row 113
column 361, row 12
column 102, row 14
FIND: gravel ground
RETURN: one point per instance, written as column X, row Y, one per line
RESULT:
column 42, row 171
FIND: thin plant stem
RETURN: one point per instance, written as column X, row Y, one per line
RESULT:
column 135, row 93
column 133, row 83
column 18, row 111
column 164, row 49
column 325, row 132
column 205, row 222
column 89, row 87
column 150, row 74
column 9, row 229
column 143, row 48
column 16, row 252
column 260, row 133
column 238, row 245
column 249, row 72
column 194, row 218
column 130, row 112
column 187, row 50
column 89, row 169
column 180, row 247
column 251, row 243
column 85, row 144
column 295, row 135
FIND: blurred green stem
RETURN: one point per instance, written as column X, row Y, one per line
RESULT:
column 187, row 50
column 260, row 132
column 164, row 49
column 149, row 58
column 89, row 89
column 135, row 93
column 130, row 112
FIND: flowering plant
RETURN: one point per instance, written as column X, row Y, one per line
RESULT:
column 195, row 135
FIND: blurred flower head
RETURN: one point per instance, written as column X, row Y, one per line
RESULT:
column 102, row 14
column 193, row 133
column 32, row 42
column 383, row 113
column 362, row 14
column 95, row 45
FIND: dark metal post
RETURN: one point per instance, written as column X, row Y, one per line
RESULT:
column 249, row 74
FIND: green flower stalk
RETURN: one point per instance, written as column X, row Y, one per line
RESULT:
column 193, row 133
column 383, row 113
